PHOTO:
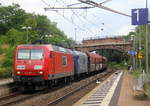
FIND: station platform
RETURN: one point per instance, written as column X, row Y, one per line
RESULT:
column 127, row 93
column 105, row 94
column 6, row 81
column 117, row 90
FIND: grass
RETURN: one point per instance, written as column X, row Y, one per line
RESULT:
column 136, row 74
column 141, row 96
column 147, row 85
column 117, row 65
column 147, row 89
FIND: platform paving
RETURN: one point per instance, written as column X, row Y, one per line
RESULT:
column 127, row 93
column 102, row 94
column 6, row 81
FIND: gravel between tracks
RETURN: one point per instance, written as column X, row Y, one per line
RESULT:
column 51, row 96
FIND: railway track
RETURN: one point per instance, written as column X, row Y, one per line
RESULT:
column 18, row 97
column 7, row 100
column 8, row 96
column 60, row 99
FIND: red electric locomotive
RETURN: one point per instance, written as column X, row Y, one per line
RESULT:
column 38, row 65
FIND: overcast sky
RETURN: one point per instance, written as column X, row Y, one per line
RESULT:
column 85, row 23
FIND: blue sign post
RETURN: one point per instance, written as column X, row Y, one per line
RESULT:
column 140, row 16
column 132, row 52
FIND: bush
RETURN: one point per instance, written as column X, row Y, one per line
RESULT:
column 7, row 64
column 117, row 65
column 1, row 74
column 6, row 72
column 1, row 50
column 2, row 39
column 8, row 61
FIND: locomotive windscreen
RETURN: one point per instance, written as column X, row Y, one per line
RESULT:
column 33, row 54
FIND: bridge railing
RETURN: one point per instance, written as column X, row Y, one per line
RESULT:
column 104, row 37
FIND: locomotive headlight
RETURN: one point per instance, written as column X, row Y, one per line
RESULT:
column 41, row 72
column 18, row 72
column 38, row 67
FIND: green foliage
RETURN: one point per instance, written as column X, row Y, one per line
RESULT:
column 139, row 33
column 112, row 55
column 136, row 73
column 8, row 61
column 44, row 25
column 1, row 50
column 11, row 16
column 6, row 72
column 117, row 65
column 30, row 21
column 15, row 37
column 6, row 68
column 3, row 39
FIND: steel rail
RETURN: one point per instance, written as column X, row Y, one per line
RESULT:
column 52, row 103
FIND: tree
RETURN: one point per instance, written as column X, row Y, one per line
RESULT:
column 11, row 17
column 140, row 32
column 15, row 37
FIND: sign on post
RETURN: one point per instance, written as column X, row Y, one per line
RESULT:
column 140, row 16
column 132, row 52
column 140, row 55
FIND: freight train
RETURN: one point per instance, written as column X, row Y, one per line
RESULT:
column 39, row 66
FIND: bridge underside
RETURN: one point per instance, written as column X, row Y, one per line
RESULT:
column 121, row 48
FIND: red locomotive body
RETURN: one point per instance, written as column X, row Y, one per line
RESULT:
column 38, row 64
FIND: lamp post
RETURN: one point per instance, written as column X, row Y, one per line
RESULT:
column 146, row 42
column 133, row 45
column 27, row 31
column 140, row 47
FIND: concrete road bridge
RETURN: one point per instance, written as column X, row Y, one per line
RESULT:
column 113, row 43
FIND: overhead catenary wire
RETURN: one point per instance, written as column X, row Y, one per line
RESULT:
column 98, row 24
column 67, row 6
column 99, row 5
column 78, row 17
column 83, row 18
column 87, row 20
column 83, row 29
column 89, row 3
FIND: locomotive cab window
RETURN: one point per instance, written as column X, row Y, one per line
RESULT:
column 37, row 54
column 33, row 54
column 23, row 54
column 64, row 60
